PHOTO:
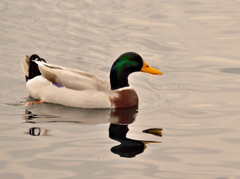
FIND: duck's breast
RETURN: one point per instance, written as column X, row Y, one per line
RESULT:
column 125, row 98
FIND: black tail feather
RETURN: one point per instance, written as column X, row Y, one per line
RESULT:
column 33, row 67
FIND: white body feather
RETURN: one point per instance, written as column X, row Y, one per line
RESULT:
column 41, row 88
column 80, row 89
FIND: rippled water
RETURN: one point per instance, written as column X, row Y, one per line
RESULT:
column 195, row 103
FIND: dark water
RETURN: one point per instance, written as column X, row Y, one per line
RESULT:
column 196, row 102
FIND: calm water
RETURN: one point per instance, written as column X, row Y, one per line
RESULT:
column 196, row 43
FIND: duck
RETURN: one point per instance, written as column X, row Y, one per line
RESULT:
column 74, row 88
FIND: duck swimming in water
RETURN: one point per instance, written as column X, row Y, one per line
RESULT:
column 69, row 87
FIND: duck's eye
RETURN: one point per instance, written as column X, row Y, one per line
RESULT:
column 147, row 66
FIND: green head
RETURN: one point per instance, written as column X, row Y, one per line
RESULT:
column 126, row 64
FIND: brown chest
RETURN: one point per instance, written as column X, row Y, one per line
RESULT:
column 124, row 98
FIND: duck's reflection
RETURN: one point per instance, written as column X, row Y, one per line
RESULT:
column 118, row 130
column 37, row 131
column 128, row 147
column 119, row 120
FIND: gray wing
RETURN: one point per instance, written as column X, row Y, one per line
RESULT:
column 73, row 79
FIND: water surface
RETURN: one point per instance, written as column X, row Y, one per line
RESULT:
column 195, row 103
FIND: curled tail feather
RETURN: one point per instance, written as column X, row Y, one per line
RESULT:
column 29, row 67
column 25, row 66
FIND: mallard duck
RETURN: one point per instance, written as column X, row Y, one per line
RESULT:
column 69, row 87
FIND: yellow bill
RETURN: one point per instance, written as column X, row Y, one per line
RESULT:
column 147, row 69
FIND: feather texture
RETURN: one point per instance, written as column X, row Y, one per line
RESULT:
column 79, row 89
column 73, row 79
column 25, row 65
column 43, row 89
